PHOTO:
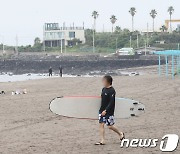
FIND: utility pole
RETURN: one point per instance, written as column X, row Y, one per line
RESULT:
column 147, row 39
column 130, row 41
column 137, row 41
column 16, row 48
column 65, row 41
column 94, row 37
column 61, row 46
column 44, row 46
column 116, row 43
column 145, row 48
column 83, row 24
column 65, row 46
column 3, row 44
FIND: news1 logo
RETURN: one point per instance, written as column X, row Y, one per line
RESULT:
column 168, row 143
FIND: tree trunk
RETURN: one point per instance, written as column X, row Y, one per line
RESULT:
column 94, row 25
column 94, row 29
column 170, row 24
column 153, row 25
column 132, row 24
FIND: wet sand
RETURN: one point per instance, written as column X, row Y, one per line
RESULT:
column 28, row 127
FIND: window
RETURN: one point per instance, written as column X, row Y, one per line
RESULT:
column 60, row 34
column 72, row 34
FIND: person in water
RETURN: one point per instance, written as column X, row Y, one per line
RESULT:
column 50, row 71
column 106, row 111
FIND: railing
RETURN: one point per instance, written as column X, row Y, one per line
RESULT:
column 65, row 28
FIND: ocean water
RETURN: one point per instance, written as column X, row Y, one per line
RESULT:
column 9, row 77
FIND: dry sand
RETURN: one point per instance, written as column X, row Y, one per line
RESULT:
column 28, row 127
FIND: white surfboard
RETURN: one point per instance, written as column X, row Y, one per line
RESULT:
column 87, row 107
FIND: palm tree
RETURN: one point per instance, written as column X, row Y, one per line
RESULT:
column 95, row 16
column 153, row 14
column 37, row 41
column 113, row 21
column 132, row 11
column 163, row 28
column 170, row 10
column 118, row 29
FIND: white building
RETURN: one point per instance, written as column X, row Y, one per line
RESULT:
column 55, row 36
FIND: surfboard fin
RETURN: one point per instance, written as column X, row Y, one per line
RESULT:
column 133, row 115
column 141, row 109
column 60, row 97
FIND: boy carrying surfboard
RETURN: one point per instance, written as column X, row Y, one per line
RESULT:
column 106, row 111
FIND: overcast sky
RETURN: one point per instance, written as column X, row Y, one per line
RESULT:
column 25, row 18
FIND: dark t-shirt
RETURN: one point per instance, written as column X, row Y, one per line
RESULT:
column 108, row 100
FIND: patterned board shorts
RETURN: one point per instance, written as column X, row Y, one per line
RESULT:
column 108, row 120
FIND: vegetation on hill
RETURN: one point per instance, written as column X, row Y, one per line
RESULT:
column 110, row 41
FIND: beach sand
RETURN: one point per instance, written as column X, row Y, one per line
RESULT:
column 28, row 127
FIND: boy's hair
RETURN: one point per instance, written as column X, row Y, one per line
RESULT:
column 108, row 78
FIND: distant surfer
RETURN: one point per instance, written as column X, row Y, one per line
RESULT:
column 106, row 111
column 60, row 71
column 50, row 71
